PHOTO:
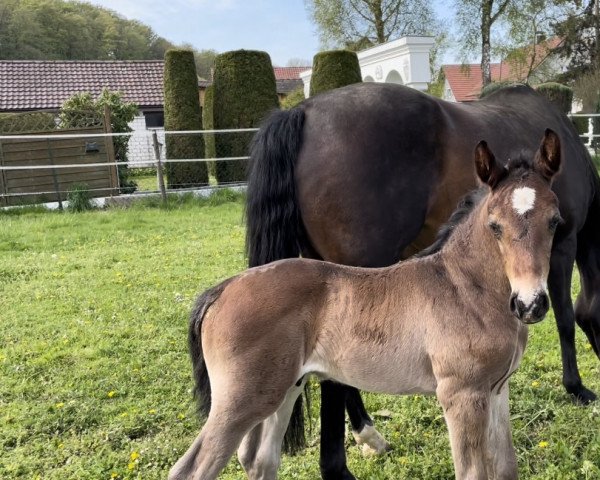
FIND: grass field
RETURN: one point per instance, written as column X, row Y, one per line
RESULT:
column 95, row 379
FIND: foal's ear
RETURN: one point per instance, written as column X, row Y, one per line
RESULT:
column 488, row 170
column 547, row 159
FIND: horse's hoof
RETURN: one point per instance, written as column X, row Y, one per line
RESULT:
column 583, row 396
column 371, row 440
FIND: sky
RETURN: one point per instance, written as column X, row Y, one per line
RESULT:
column 280, row 27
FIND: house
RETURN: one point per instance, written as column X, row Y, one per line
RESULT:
column 534, row 64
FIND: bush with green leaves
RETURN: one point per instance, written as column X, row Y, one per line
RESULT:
column 244, row 93
column 79, row 198
column 182, row 112
column 495, row 86
column 334, row 69
column 121, row 114
column 293, row 99
column 557, row 94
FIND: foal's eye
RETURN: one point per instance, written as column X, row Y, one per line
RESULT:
column 554, row 223
column 496, row 229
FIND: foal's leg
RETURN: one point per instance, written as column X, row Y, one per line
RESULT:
column 501, row 457
column 587, row 307
column 260, row 450
column 559, row 285
column 213, row 448
column 467, row 415
column 363, row 430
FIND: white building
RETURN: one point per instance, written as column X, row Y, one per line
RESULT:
column 404, row 61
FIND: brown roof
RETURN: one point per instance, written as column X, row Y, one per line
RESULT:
column 41, row 85
column 289, row 73
column 465, row 80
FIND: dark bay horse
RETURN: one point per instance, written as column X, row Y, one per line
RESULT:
column 364, row 175
column 256, row 337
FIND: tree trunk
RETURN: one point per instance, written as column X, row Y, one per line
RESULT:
column 486, row 26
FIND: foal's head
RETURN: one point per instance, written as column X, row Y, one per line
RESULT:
column 522, row 214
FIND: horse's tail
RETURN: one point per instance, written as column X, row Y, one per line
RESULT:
column 273, row 228
column 273, row 224
column 202, row 390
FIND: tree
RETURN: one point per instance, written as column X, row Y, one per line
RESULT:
column 355, row 24
column 580, row 31
column 70, row 30
column 475, row 19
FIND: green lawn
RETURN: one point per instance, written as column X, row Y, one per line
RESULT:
column 95, row 379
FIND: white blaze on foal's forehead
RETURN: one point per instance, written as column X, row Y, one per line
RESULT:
column 523, row 199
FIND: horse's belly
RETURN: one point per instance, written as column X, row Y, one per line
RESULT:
column 381, row 371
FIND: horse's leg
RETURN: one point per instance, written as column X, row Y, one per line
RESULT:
column 466, row 411
column 213, row 447
column 559, row 285
column 260, row 450
column 363, row 430
column 587, row 307
column 501, row 457
column 333, row 456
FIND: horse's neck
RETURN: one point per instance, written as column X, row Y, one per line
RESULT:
column 472, row 256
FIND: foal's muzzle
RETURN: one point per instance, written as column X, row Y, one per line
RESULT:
column 532, row 313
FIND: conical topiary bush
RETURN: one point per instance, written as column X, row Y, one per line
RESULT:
column 182, row 112
column 333, row 69
column 244, row 93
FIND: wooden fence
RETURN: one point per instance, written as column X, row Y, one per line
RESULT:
column 36, row 185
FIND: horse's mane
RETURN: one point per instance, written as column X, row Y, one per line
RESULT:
column 521, row 165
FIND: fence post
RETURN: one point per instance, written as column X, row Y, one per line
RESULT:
column 54, row 175
column 159, row 171
column 3, row 189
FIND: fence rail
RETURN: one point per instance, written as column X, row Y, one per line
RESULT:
column 146, row 170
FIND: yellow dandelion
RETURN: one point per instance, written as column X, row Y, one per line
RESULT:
column 535, row 384
column 181, row 416
column 588, row 346
column 543, row 444
column 134, row 456
column 131, row 465
column 111, row 394
column 59, row 405
column 61, row 446
column 114, row 475
column 151, row 411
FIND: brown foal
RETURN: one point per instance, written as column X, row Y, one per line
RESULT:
column 452, row 322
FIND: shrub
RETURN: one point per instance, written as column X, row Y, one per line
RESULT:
column 494, row 87
column 79, row 198
column 558, row 95
column 182, row 112
column 244, row 92
column 74, row 113
column 293, row 99
column 581, row 124
column 209, row 124
column 333, row 69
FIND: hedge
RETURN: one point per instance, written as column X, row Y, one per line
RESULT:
column 333, row 69
column 558, row 95
column 494, row 87
column 244, row 93
column 182, row 112
column 209, row 124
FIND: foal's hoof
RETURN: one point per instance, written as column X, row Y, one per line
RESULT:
column 371, row 441
column 582, row 395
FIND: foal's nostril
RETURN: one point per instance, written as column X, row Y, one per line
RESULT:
column 516, row 306
column 541, row 306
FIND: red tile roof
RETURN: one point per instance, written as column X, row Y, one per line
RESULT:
column 289, row 73
column 40, row 85
column 465, row 80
